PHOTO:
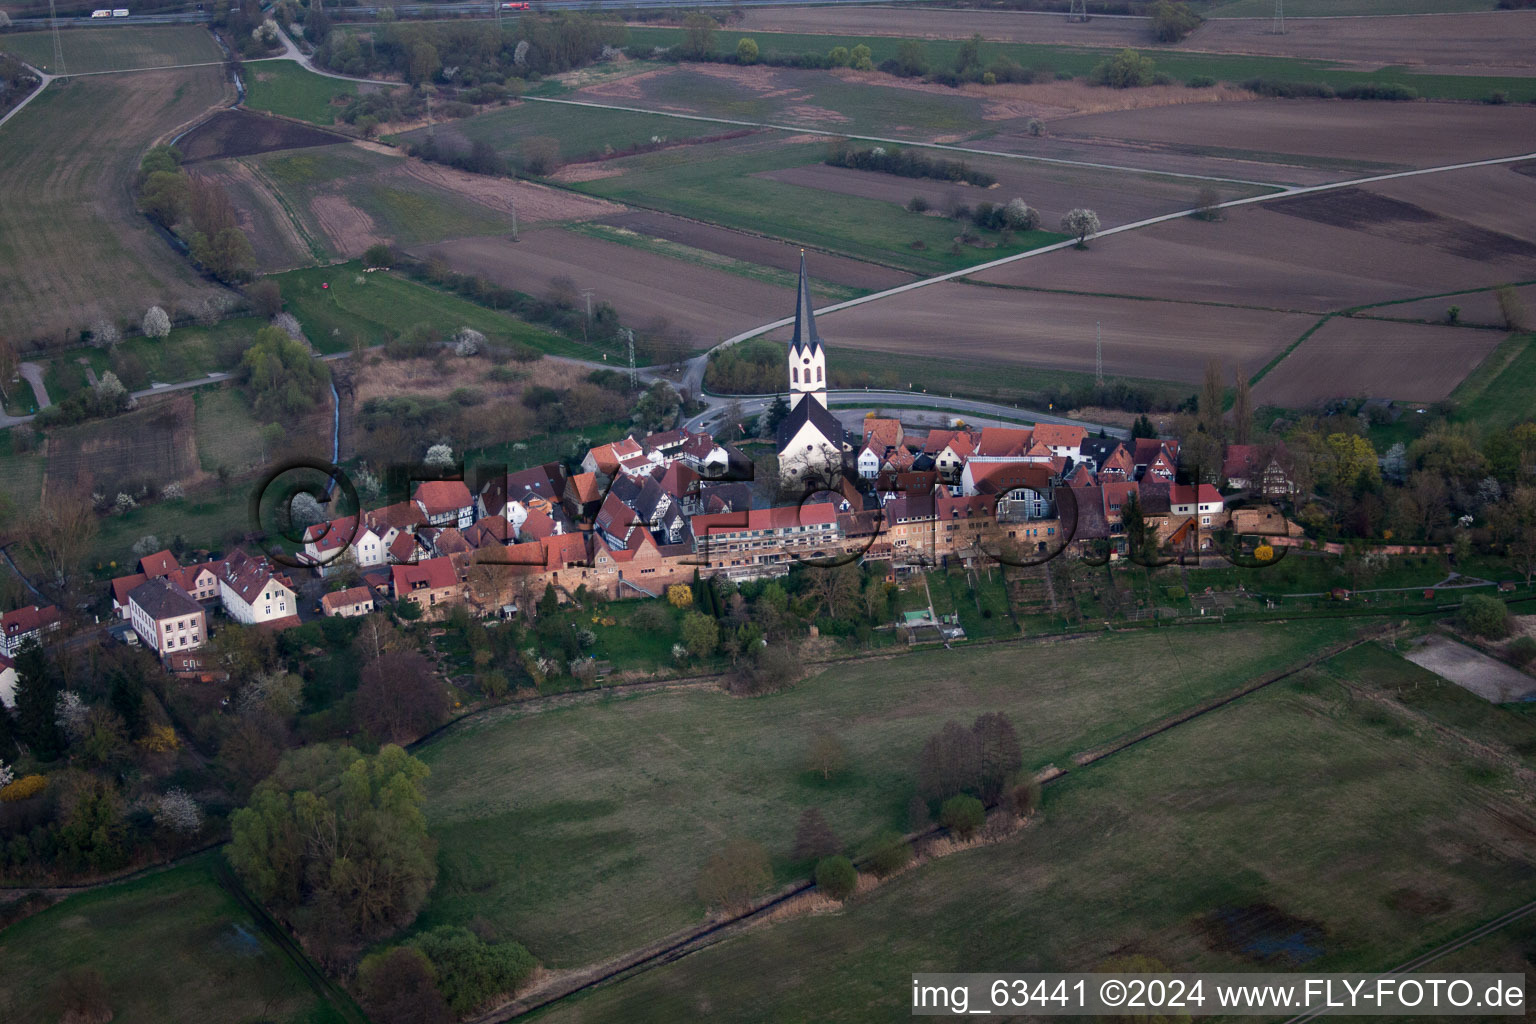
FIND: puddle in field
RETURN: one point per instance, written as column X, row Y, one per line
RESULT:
column 1265, row 933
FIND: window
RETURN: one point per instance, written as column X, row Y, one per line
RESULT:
column 794, row 374
column 818, row 375
column 167, row 627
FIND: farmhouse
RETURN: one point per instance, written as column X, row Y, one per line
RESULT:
column 445, row 503
column 23, row 624
column 430, row 584
column 348, row 603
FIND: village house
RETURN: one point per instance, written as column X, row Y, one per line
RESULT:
column 1064, row 441
column 23, row 624
column 254, row 595
column 605, row 458
column 445, row 503
column 763, row 542
column 7, row 681
column 1248, row 467
column 166, row 618
column 348, row 603
column 431, row 584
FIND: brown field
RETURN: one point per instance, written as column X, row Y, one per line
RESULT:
column 156, row 443
column 1256, row 257
column 707, row 304
column 1322, row 132
column 425, row 378
column 1481, row 308
column 533, row 202
column 1379, row 216
column 245, row 132
column 1053, row 190
column 1496, row 198
column 349, row 230
column 1481, row 43
column 75, row 249
column 1350, row 357
column 1161, row 340
column 756, row 249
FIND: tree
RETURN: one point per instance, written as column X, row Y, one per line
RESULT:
column 1125, row 70
column 891, row 853
column 836, row 877
column 949, row 762
column 92, row 832
column 378, row 255
column 734, row 875
column 468, row 342
column 1143, row 427
column 399, row 986
column 339, row 840
column 38, row 685
column 1512, row 309
column 698, row 35
column 1242, row 410
column 911, row 61
column 746, row 51
column 1212, row 402
column 177, row 811
column 104, row 333
column 1080, row 223
column 968, row 56
column 861, row 58
column 837, row 587
column 997, row 753
column 826, row 754
column 60, row 531
column 284, row 376
column 470, row 971
column 1172, row 21
column 1208, row 203
column 701, row 634
column 658, row 408
column 227, row 254
column 423, row 63
column 1484, row 616
column 962, row 815
column 814, row 838
column 1020, row 216
column 267, row 296
column 164, row 197
column 156, row 323
column 680, row 595
column 400, row 698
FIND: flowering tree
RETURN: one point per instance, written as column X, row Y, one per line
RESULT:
column 146, row 545
column 110, row 388
column 178, row 812
column 439, row 455
column 468, row 341
column 104, row 333
column 69, row 713
column 1080, row 223
column 156, row 324
column 1018, row 215
column 6, row 775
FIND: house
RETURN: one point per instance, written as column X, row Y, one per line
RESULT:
column 758, row 542
column 1022, row 490
column 161, row 563
column 388, row 524
column 615, row 521
column 23, row 624
column 869, row 461
column 122, row 586
column 166, row 618
column 348, row 603
column 7, row 681
column 950, row 449
column 349, row 540
column 1248, row 467
column 685, row 486
column 430, row 584
column 1155, row 457
column 1063, row 440
column 583, row 495
column 445, row 503
column 701, row 454
column 545, row 481
column 883, row 434
column 1003, row 442
column 1203, row 501
column 605, row 458
column 252, row 594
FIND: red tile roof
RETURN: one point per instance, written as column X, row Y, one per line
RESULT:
column 122, row 586
column 1002, row 477
column 25, row 620
column 1184, row 494
column 431, row 574
column 1003, row 441
column 1060, row 435
column 403, row 547
column 158, row 564
column 584, row 487
column 439, row 497
column 329, row 536
column 822, row 513
column 886, row 433
column 346, row 598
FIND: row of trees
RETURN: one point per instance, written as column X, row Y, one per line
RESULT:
column 170, row 196
column 904, row 163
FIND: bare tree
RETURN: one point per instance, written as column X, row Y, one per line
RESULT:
column 400, row 698
column 1212, row 398
column 813, row 837
column 949, row 762
column 1242, row 411
column 734, row 875
column 60, row 533
column 826, row 754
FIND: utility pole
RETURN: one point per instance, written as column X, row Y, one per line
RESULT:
column 586, row 293
column 634, row 380
column 1279, row 25
column 1078, row 11
column 58, row 45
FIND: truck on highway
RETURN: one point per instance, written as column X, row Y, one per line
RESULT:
column 119, row 12
column 510, row 5
column 104, row 12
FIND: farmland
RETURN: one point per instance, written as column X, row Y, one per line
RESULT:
column 603, row 851
column 244, row 133
column 153, row 444
column 1325, row 817
column 116, row 48
column 76, row 249
column 283, row 87
column 170, row 946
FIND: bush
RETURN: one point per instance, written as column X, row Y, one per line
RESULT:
column 1201, row 82
column 906, row 164
column 962, row 815
column 837, row 877
column 891, row 853
column 24, row 788
column 470, row 971
column 1171, row 21
column 1125, row 70
column 1484, row 616
column 398, row 984
column 1523, row 650
column 917, row 204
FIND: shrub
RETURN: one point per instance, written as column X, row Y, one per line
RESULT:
column 1523, row 650
column 962, row 815
column 399, row 984
column 746, row 51
column 1201, row 82
column 1125, row 70
column 891, row 853
column 1484, row 616
column 471, row 971
column 1171, row 21
column 734, row 875
column 24, row 788
column 917, row 204
column 837, row 877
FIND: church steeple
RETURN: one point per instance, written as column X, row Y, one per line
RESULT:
column 807, row 362
column 805, row 336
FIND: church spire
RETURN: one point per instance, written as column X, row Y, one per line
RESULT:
column 805, row 336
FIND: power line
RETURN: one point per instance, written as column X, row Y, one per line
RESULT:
column 1098, row 354
column 1278, row 28
column 1078, row 11
column 58, row 45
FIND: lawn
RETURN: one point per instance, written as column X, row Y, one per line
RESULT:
column 578, row 130
column 173, row 946
column 579, row 830
column 185, row 353
column 373, row 307
column 21, row 471
column 116, row 48
column 1076, row 60
column 286, row 88
column 1502, row 391
column 717, row 183
column 1345, row 833
column 228, row 431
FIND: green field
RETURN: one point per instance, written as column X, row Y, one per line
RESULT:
column 1502, row 391
column 21, row 471
column 717, row 183
column 116, row 48
column 1080, row 60
column 580, row 830
column 373, row 307
column 1340, row 8
column 284, row 87
column 578, row 130
column 185, row 353
column 1346, row 830
column 173, row 946
column 227, row 430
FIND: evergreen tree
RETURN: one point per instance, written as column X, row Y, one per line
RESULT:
column 37, row 690
column 126, row 697
column 775, row 414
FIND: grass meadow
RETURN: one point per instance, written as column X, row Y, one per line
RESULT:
column 173, row 946
column 286, row 88
column 717, row 183
column 1344, row 828
column 580, row 830
column 373, row 307
column 116, row 48
column 578, row 130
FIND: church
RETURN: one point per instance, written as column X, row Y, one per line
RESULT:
column 812, row 446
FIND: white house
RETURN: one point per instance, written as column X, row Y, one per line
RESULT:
column 23, row 624
column 166, row 617
column 869, row 463
column 252, row 593
column 1204, row 501
column 7, row 682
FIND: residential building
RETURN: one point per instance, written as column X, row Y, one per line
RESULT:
column 7, row 681
column 166, row 617
column 253, row 594
column 445, row 503
column 348, row 603
column 764, row 541
column 431, row 584
column 23, row 624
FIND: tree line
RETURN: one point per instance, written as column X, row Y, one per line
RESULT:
column 199, row 211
